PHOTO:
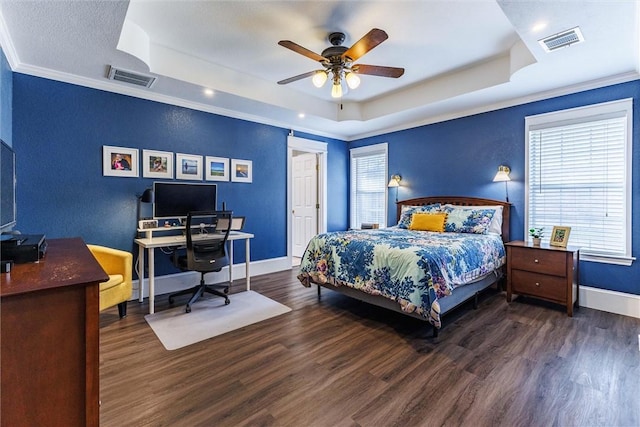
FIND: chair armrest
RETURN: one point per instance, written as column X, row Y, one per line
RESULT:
column 114, row 261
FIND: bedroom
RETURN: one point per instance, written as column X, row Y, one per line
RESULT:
column 61, row 127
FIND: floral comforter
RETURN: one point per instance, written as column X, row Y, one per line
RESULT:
column 414, row 268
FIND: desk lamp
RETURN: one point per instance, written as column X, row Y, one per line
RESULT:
column 147, row 197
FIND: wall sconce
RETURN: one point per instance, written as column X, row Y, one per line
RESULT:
column 147, row 197
column 394, row 182
column 503, row 176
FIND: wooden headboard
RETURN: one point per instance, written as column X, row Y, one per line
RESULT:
column 462, row 201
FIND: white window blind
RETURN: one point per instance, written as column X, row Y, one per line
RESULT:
column 368, row 201
column 579, row 176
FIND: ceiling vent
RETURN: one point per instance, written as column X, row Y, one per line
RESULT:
column 130, row 77
column 562, row 39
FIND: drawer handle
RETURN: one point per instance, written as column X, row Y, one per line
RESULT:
column 536, row 261
column 537, row 284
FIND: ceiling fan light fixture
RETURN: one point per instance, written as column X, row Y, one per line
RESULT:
column 319, row 78
column 353, row 81
column 336, row 90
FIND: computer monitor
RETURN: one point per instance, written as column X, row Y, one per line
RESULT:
column 174, row 200
column 7, row 187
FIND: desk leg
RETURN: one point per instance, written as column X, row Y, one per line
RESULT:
column 152, row 274
column 230, row 262
column 246, row 263
column 140, row 273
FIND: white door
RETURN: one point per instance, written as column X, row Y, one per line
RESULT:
column 305, row 201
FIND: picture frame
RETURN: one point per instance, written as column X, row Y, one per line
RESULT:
column 120, row 161
column 157, row 164
column 560, row 236
column 241, row 170
column 188, row 166
column 216, row 169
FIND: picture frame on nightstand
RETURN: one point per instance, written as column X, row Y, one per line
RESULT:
column 560, row 236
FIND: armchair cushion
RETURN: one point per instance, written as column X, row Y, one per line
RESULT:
column 118, row 265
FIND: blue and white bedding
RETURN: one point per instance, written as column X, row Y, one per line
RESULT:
column 413, row 268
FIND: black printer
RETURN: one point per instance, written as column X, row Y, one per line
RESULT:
column 23, row 248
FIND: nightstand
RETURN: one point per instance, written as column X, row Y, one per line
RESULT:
column 546, row 272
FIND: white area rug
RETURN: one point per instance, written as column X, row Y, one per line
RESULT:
column 209, row 317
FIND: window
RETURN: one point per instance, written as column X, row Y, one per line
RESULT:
column 369, row 185
column 579, row 175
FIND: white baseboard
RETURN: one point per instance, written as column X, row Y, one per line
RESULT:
column 175, row 282
column 610, row 301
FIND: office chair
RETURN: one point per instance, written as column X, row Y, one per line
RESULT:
column 206, row 251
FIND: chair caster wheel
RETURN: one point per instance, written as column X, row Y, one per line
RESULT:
column 188, row 309
column 170, row 300
column 227, row 301
column 225, row 290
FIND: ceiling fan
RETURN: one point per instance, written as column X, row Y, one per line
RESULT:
column 338, row 61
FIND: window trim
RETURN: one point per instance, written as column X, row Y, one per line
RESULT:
column 582, row 114
column 360, row 152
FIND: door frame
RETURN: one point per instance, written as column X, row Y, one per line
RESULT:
column 295, row 143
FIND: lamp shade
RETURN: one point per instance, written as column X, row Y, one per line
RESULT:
column 394, row 181
column 148, row 196
column 503, row 174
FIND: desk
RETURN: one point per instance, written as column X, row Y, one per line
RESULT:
column 150, row 243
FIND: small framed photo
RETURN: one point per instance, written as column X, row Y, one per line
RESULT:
column 216, row 169
column 119, row 161
column 560, row 236
column 188, row 166
column 241, row 170
column 157, row 164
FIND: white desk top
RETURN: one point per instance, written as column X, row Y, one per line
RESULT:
column 178, row 240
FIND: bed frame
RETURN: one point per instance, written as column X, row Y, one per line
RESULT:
column 462, row 294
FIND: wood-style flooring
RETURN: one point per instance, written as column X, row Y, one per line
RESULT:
column 339, row 362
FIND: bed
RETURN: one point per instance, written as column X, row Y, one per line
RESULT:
column 409, row 267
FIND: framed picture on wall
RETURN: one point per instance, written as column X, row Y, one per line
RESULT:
column 157, row 164
column 216, row 169
column 560, row 236
column 241, row 170
column 188, row 166
column 119, row 161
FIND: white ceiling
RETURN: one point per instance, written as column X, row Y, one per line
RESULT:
column 460, row 57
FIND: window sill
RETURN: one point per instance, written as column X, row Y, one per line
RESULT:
column 616, row 260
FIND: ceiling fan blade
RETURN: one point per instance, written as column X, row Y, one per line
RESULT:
column 298, row 77
column 302, row 50
column 378, row 70
column 372, row 39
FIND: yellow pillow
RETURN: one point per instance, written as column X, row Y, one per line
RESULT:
column 428, row 221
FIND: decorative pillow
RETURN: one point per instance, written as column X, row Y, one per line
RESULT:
column 423, row 221
column 496, row 222
column 407, row 212
column 461, row 220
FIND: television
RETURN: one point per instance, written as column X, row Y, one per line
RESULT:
column 174, row 200
column 7, row 187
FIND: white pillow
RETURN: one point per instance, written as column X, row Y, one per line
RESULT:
column 495, row 227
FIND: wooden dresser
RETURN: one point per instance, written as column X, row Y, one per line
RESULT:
column 49, row 339
column 546, row 272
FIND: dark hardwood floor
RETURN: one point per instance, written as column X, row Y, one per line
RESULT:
column 340, row 362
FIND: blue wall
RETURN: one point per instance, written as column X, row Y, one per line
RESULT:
column 461, row 157
column 59, row 130
column 6, row 100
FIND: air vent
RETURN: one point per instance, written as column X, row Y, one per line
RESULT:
column 565, row 38
column 130, row 77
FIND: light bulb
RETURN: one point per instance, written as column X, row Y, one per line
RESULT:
column 353, row 81
column 319, row 78
column 336, row 90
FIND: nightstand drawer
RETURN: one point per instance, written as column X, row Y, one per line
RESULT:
column 539, row 260
column 535, row 284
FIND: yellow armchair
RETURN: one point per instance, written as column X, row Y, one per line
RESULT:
column 118, row 289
